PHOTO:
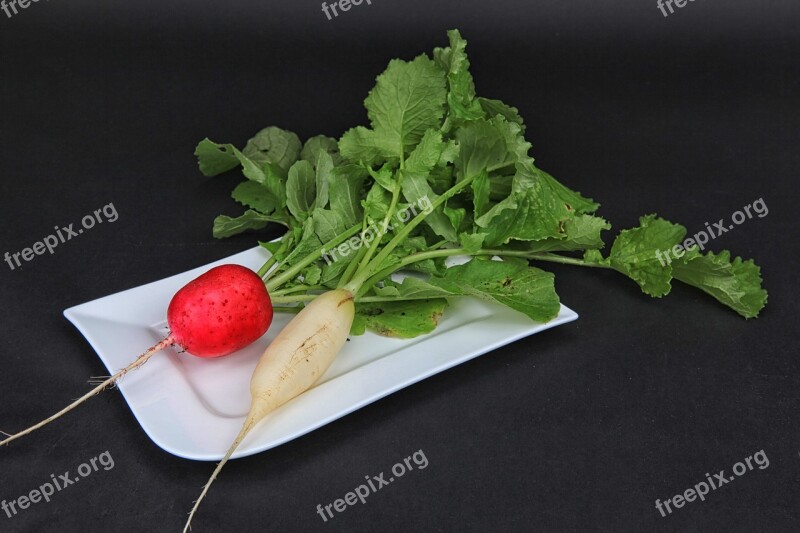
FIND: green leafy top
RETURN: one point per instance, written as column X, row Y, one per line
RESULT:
column 407, row 100
column 440, row 172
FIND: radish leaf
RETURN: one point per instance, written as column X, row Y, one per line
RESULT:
column 529, row 290
column 273, row 145
column 736, row 284
column 407, row 100
column 403, row 319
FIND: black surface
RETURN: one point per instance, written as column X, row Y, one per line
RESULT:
column 580, row 428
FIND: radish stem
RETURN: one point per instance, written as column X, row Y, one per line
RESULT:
column 364, row 261
column 362, row 251
column 298, row 288
column 262, row 272
column 366, row 272
column 298, row 267
column 292, row 309
column 555, row 258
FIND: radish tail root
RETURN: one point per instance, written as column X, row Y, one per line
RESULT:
column 142, row 359
column 248, row 425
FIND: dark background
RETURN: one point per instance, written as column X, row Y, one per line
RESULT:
column 580, row 428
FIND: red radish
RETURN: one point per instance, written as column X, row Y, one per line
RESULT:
column 216, row 314
column 222, row 311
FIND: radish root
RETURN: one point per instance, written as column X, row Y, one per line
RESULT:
column 142, row 359
column 96, row 380
column 248, row 425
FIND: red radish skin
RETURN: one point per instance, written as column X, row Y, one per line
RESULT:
column 221, row 312
column 216, row 314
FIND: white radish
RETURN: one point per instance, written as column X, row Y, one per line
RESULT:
column 292, row 363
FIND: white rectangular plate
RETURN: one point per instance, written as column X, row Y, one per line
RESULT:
column 194, row 407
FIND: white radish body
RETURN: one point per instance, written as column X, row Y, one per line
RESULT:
column 293, row 362
column 301, row 352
